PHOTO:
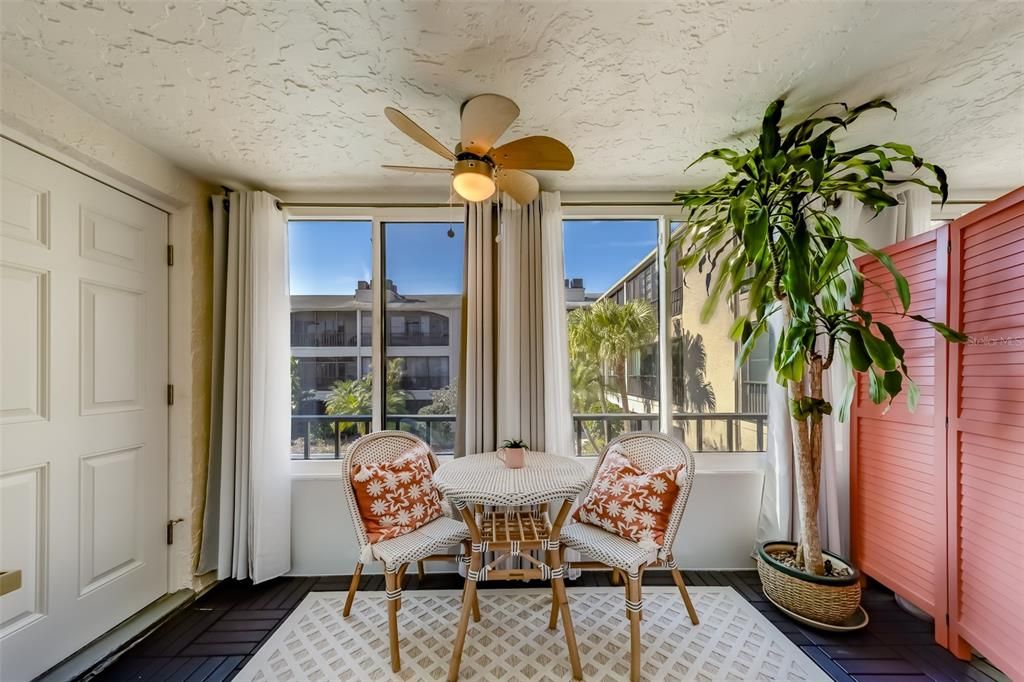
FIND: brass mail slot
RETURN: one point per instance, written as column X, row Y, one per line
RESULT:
column 9, row 581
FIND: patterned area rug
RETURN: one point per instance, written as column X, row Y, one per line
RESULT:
column 512, row 642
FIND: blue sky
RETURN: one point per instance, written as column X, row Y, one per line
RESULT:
column 602, row 251
column 329, row 257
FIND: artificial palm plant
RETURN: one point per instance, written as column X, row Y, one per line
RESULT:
column 765, row 232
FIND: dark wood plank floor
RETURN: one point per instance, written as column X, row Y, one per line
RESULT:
column 214, row 637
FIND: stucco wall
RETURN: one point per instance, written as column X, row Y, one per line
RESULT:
column 28, row 108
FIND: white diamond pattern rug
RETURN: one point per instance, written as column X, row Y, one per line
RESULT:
column 512, row 642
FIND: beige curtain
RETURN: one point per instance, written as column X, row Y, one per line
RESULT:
column 247, row 517
column 475, row 421
column 533, row 361
column 521, row 337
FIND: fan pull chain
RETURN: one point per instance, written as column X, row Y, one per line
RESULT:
column 451, row 214
column 501, row 218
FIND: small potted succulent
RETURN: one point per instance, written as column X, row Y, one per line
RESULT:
column 513, row 453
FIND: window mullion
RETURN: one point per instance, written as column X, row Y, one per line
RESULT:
column 377, row 363
column 664, row 319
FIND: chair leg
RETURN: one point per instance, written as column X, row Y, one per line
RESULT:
column 352, row 587
column 393, row 586
column 634, row 612
column 616, row 576
column 420, row 573
column 678, row 578
column 558, row 586
column 475, row 603
column 553, row 619
column 468, row 600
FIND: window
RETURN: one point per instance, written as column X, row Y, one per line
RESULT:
column 614, row 387
column 330, row 264
column 423, row 263
column 324, row 327
column 715, row 408
column 610, row 261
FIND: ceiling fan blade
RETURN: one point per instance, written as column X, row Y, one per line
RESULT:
column 484, row 119
column 538, row 152
column 407, row 126
column 417, row 169
column 521, row 186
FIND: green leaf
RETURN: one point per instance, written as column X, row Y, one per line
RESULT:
column 893, row 383
column 738, row 207
column 834, row 257
column 750, row 341
column 739, row 327
column 846, row 399
column 859, row 358
column 948, row 333
column 755, row 234
column 913, row 395
column 770, row 129
column 902, row 288
column 878, row 350
column 901, row 149
column 818, row 146
column 875, row 388
column 890, row 338
column 722, row 154
column 940, row 175
column 857, row 294
column 873, row 197
column 816, row 169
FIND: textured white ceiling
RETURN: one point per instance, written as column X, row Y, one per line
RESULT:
column 290, row 95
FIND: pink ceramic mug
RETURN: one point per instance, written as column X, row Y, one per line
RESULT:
column 513, row 458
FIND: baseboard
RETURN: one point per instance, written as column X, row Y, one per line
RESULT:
column 101, row 652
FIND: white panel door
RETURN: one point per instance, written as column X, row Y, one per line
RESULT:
column 83, row 413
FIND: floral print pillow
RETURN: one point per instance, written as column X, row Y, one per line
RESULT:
column 397, row 497
column 630, row 503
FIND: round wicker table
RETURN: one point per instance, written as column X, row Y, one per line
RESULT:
column 474, row 482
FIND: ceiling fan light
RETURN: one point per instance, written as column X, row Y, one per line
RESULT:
column 472, row 180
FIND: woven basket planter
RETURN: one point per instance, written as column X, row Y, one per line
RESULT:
column 823, row 599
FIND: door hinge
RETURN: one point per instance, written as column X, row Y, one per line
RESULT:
column 170, row 394
column 947, row 422
column 170, row 254
column 949, row 246
column 170, row 530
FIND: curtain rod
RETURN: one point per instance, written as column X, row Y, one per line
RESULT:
column 373, row 204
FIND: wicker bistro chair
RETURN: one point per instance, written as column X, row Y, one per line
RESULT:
column 422, row 544
column 646, row 451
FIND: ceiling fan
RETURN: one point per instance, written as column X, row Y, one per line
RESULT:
column 478, row 166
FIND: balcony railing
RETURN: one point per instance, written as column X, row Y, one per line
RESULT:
column 702, row 432
column 755, row 396
column 327, row 436
column 323, row 339
column 413, row 339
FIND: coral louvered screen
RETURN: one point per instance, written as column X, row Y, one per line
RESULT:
column 938, row 508
column 986, row 434
column 898, row 502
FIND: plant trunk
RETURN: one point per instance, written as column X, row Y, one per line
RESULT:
column 623, row 392
column 807, row 436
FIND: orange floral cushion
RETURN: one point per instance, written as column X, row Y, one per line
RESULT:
column 630, row 503
column 397, row 497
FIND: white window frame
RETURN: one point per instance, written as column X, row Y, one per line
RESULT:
column 379, row 216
